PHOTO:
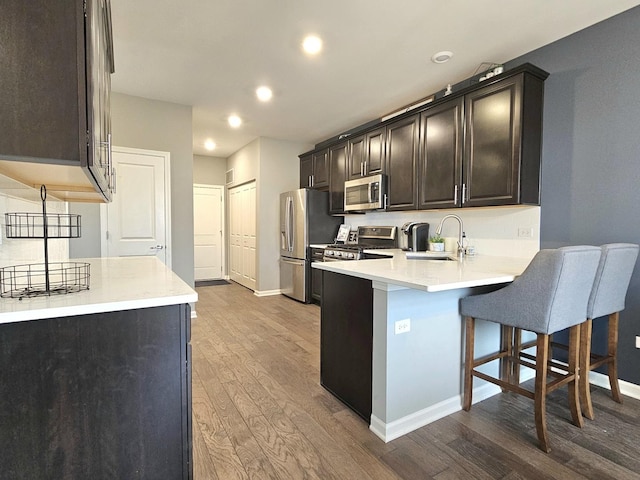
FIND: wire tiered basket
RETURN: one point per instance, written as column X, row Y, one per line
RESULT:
column 36, row 279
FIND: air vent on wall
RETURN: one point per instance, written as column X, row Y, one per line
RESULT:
column 229, row 177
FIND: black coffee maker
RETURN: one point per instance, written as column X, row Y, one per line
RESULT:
column 414, row 236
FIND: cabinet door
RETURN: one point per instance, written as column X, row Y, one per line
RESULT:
column 402, row 153
column 492, row 144
column 42, row 81
column 320, row 175
column 374, row 151
column 90, row 394
column 440, row 172
column 337, row 176
column 99, row 67
column 306, row 170
column 355, row 157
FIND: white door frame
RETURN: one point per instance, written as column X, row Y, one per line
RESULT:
column 223, row 222
column 104, row 207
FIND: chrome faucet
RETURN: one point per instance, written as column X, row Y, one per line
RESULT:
column 461, row 250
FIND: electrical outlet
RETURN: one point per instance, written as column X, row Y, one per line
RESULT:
column 637, row 341
column 402, row 326
column 525, row 232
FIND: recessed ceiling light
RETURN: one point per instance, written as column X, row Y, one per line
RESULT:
column 264, row 94
column 210, row 145
column 441, row 57
column 235, row 121
column 312, row 44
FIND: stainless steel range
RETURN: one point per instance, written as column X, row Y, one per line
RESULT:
column 369, row 238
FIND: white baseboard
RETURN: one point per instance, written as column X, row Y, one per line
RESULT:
column 266, row 293
column 390, row 431
column 626, row 388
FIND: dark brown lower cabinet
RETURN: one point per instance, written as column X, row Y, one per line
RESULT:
column 346, row 340
column 106, row 395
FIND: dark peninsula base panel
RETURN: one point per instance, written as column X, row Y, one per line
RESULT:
column 346, row 340
column 97, row 396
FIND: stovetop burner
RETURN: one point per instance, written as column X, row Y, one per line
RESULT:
column 369, row 238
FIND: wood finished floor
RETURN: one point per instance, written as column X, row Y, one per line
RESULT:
column 259, row 412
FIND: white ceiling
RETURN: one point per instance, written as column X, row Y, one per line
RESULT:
column 212, row 54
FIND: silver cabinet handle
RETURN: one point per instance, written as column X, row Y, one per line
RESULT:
column 386, row 201
column 455, row 195
column 365, row 167
column 110, row 168
column 464, row 192
column 157, row 247
column 362, row 169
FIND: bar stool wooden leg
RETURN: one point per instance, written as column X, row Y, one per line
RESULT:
column 506, row 346
column 470, row 324
column 517, row 348
column 574, row 355
column 585, row 368
column 613, row 356
column 540, row 394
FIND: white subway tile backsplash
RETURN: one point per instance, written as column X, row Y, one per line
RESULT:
column 491, row 230
column 22, row 251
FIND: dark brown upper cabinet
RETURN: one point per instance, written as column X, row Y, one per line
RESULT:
column 441, row 143
column 56, row 64
column 503, row 131
column 366, row 154
column 401, row 156
column 314, row 170
column 483, row 148
column 337, row 177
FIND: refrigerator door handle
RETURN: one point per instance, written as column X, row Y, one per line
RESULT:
column 290, row 224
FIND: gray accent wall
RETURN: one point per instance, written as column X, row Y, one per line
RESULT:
column 591, row 152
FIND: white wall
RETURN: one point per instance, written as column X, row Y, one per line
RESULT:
column 275, row 166
column 279, row 172
column 155, row 125
column 209, row 170
column 492, row 230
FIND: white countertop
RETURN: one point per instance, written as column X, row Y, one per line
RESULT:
column 116, row 284
column 431, row 275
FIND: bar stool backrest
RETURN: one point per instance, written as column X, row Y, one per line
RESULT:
column 550, row 295
column 612, row 279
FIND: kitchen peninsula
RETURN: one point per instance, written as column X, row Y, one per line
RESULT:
column 97, row 383
column 412, row 369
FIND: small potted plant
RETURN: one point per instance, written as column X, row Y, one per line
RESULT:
column 436, row 243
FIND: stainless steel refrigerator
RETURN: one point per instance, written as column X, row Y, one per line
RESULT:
column 304, row 220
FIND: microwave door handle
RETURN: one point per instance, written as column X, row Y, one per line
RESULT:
column 369, row 192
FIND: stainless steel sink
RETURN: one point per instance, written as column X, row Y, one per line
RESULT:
column 440, row 256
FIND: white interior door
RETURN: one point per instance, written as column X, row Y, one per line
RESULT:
column 208, row 208
column 242, row 234
column 138, row 218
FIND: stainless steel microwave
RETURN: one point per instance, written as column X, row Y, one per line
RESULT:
column 365, row 193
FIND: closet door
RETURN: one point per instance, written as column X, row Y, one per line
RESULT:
column 242, row 235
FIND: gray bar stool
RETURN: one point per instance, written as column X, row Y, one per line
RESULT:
column 551, row 294
column 607, row 299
